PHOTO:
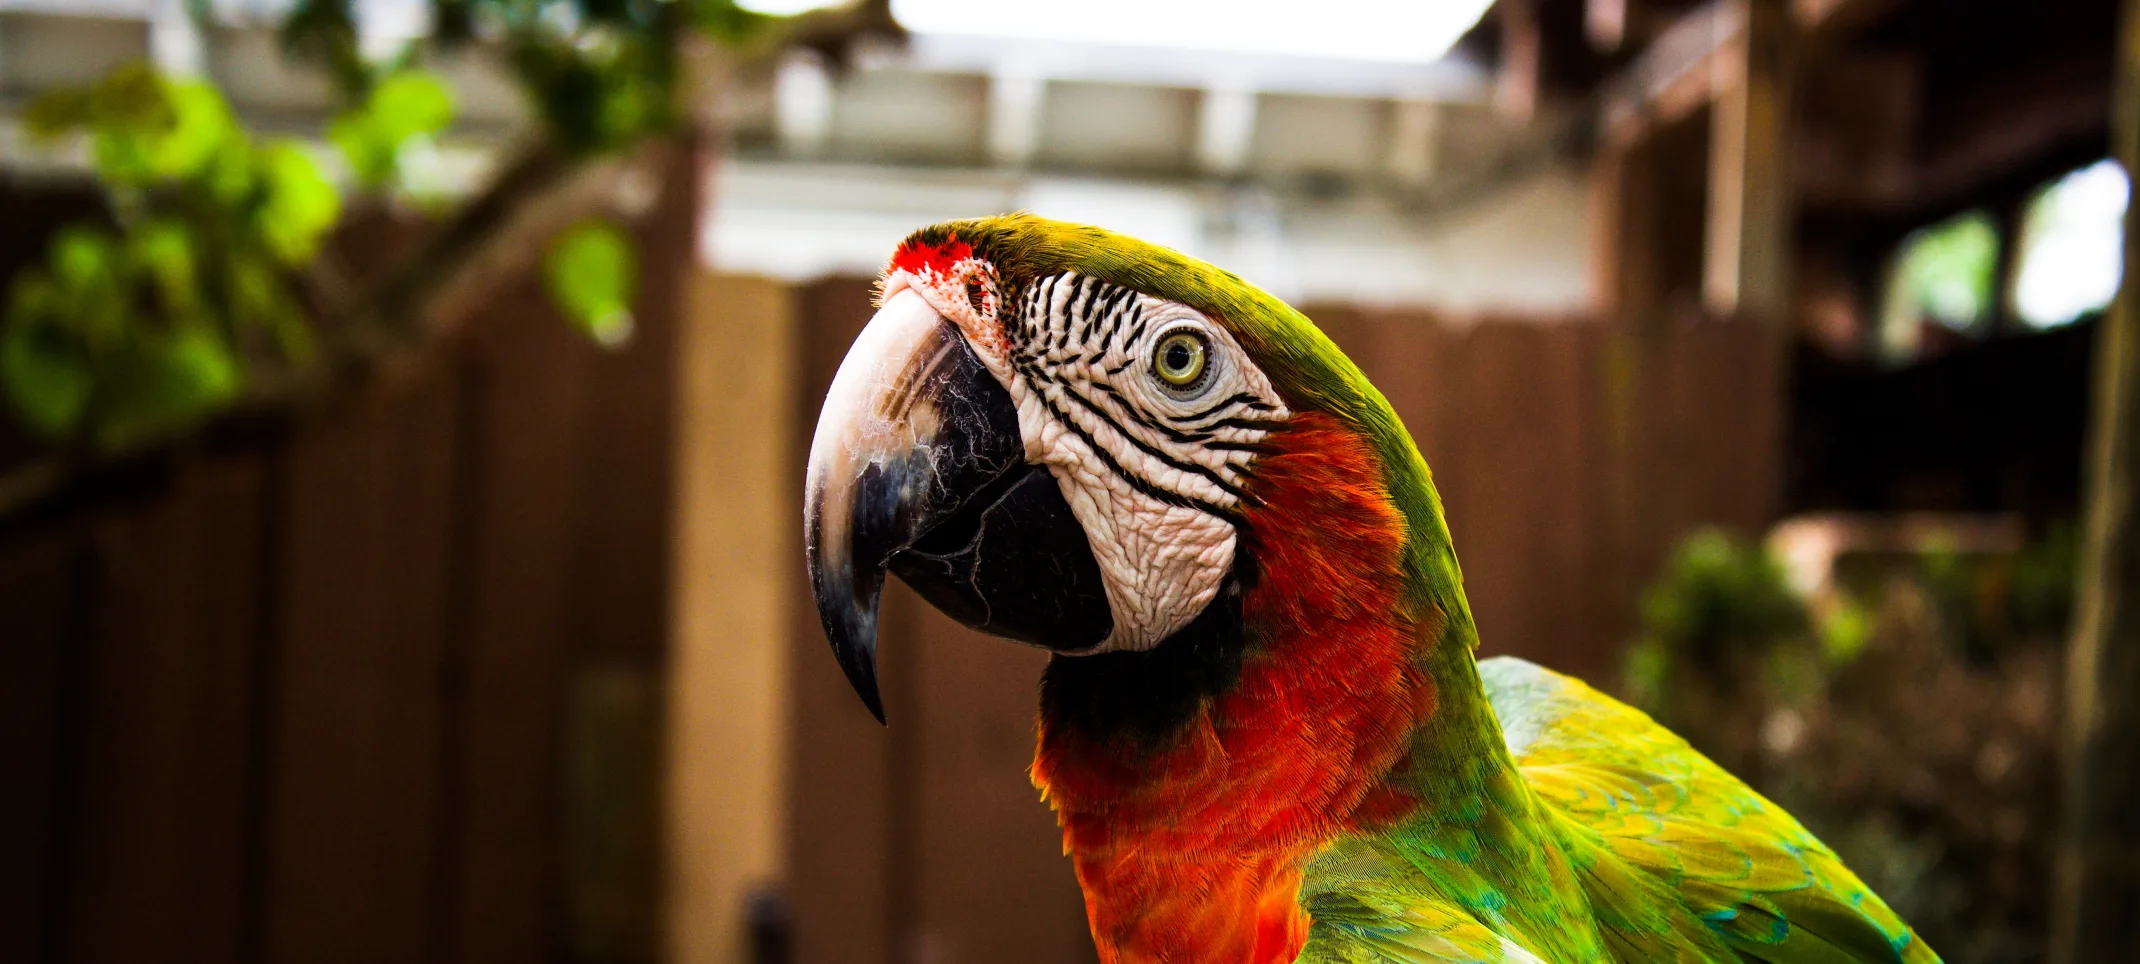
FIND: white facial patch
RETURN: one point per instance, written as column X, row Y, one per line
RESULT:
column 1148, row 414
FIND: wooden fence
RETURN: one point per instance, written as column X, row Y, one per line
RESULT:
column 376, row 684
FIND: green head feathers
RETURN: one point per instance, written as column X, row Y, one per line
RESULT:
column 1303, row 364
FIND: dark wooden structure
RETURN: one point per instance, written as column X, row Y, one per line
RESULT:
column 375, row 683
column 2097, row 876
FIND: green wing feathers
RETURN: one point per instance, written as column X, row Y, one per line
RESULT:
column 1680, row 859
column 1610, row 840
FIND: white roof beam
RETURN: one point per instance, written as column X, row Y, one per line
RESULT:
column 1415, row 141
column 1225, row 129
column 802, row 105
column 175, row 44
column 1014, row 102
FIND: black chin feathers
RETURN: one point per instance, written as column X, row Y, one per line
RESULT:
column 1143, row 698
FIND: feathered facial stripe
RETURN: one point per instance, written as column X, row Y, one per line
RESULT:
column 1151, row 416
column 1148, row 413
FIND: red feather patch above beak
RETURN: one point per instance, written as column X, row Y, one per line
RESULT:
column 916, row 257
column 960, row 285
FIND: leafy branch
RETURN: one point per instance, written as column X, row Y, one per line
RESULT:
column 206, row 289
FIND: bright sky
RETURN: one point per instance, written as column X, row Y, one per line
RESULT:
column 1402, row 31
column 2073, row 246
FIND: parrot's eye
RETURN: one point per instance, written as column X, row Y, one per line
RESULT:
column 1181, row 360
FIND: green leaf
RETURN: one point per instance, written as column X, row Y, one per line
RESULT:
column 299, row 205
column 58, row 112
column 132, row 94
column 201, row 369
column 255, row 291
column 324, row 33
column 728, row 24
column 412, row 102
column 260, row 299
column 230, row 175
column 370, row 160
column 406, row 106
column 136, row 328
column 158, row 383
column 632, row 106
column 204, row 124
column 147, row 127
column 46, row 378
column 88, row 272
column 85, row 258
column 162, row 249
column 591, row 271
column 1845, row 629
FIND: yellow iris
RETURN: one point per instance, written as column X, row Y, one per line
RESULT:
column 1179, row 358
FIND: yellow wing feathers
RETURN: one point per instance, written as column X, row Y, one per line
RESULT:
column 1627, row 793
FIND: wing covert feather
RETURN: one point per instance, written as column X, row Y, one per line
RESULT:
column 1637, row 794
column 1677, row 861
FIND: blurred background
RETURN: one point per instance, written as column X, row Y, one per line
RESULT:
column 406, row 403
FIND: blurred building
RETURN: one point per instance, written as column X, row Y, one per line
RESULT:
column 1321, row 178
column 514, row 660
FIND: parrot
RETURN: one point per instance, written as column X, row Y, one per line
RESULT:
column 1263, row 727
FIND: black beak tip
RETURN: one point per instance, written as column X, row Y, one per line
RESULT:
column 861, row 671
column 849, row 613
column 856, row 647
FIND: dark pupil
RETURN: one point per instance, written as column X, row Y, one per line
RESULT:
column 1177, row 357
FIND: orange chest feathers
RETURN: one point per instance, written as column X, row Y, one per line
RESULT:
column 1189, row 844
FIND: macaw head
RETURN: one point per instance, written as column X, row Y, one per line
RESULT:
column 1059, row 435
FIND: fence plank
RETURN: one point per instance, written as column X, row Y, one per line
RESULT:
column 991, row 878
column 367, row 550
column 166, row 736
column 40, row 591
column 526, row 398
column 839, row 840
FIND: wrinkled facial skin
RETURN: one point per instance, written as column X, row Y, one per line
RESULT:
column 1059, row 460
column 1153, row 466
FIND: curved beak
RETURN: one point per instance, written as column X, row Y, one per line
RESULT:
column 918, row 467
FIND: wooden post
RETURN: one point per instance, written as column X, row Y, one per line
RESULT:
column 1748, row 237
column 1608, row 208
column 1605, row 23
column 736, row 552
column 1516, row 86
column 2096, row 916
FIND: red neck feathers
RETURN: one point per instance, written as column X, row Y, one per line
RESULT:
column 1190, row 849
